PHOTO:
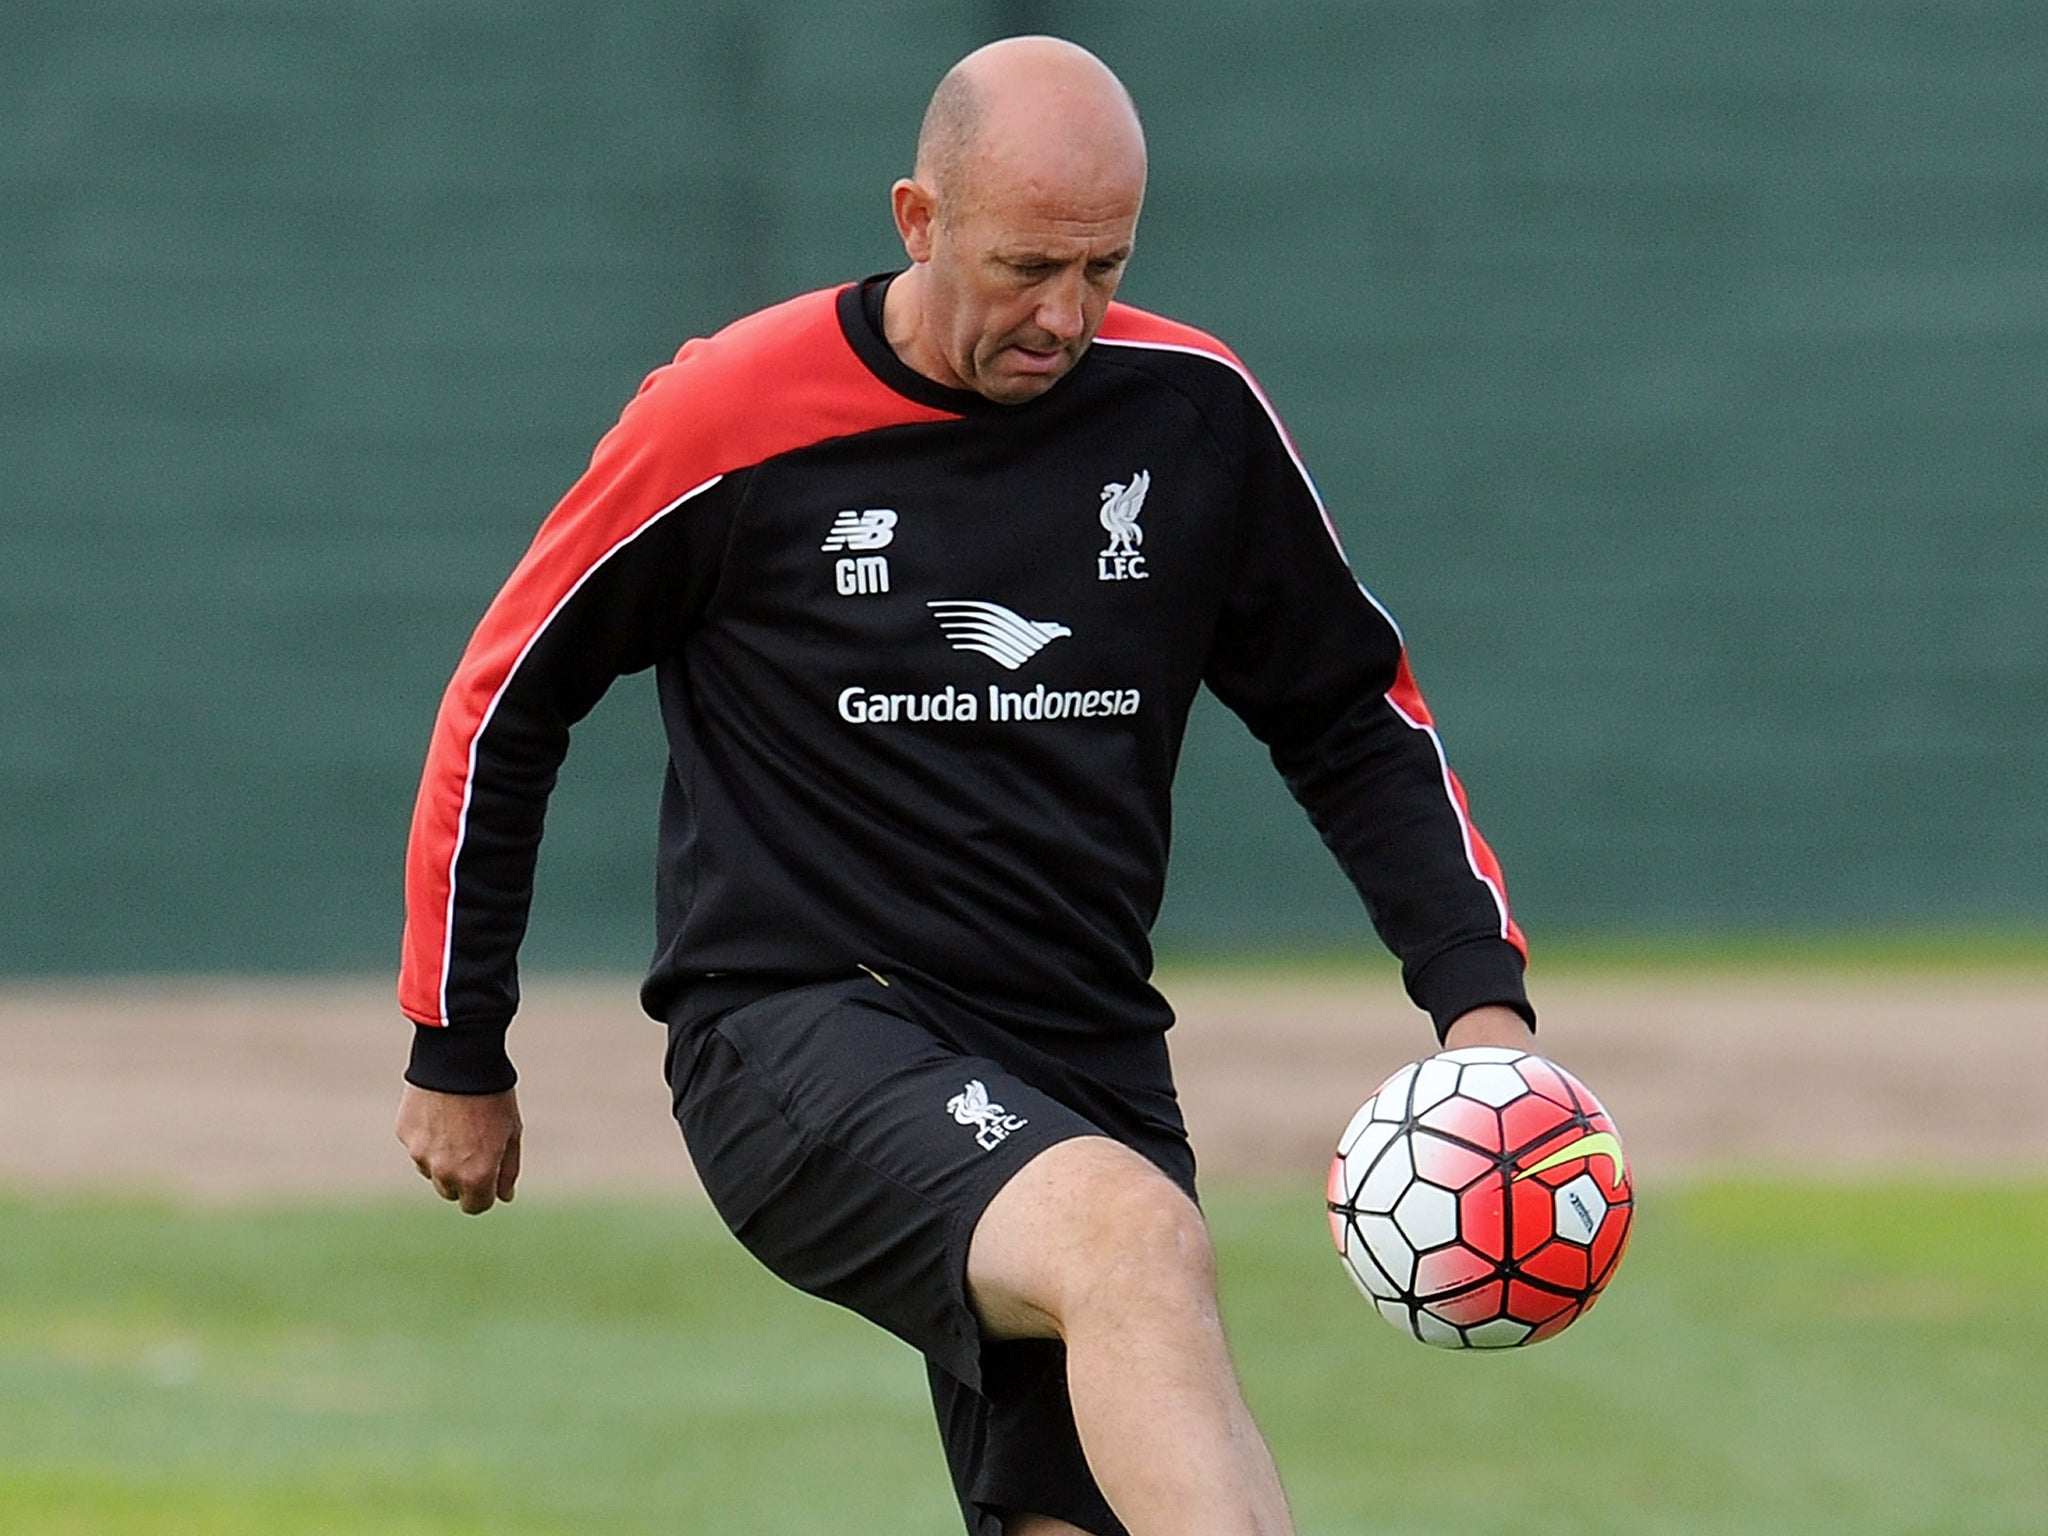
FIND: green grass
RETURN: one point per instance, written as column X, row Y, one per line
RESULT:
column 1773, row 1358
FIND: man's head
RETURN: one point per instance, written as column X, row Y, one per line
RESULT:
column 1019, row 218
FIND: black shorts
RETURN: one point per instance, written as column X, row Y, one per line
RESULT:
column 851, row 1139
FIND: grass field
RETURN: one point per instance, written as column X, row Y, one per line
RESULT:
column 1773, row 1358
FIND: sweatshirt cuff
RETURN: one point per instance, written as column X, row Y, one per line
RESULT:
column 460, row 1058
column 1473, row 975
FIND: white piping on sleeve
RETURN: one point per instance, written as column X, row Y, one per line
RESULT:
column 1443, row 763
column 491, row 709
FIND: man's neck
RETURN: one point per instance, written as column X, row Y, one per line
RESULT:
column 903, row 328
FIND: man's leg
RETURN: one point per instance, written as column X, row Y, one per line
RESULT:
column 1090, row 1244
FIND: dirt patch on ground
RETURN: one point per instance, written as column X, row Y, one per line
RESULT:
column 284, row 1090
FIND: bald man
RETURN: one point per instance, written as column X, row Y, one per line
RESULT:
column 930, row 568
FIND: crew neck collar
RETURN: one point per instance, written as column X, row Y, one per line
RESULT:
column 860, row 318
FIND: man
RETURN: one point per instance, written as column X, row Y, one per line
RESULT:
column 930, row 569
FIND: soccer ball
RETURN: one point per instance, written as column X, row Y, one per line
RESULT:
column 1480, row 1199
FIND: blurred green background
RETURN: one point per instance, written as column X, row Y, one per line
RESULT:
column 1678, row 373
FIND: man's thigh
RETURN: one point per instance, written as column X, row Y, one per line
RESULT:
column 1086, row 1216
column 853, row 1152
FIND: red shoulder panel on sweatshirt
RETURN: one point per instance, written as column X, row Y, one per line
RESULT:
column 1126, row 322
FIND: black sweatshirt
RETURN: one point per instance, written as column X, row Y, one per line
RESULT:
column 925, row 662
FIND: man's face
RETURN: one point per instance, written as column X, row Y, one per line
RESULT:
column 1018, row 281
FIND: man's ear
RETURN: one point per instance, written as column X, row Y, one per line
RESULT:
column 916, row 211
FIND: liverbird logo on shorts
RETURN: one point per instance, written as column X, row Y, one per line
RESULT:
column 992, row 1123
column 1121, row 504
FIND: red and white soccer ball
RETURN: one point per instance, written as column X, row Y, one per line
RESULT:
column 1481, row 1199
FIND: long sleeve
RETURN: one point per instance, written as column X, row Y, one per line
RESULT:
column 613, row 576
column 1318, row 672
column 620, row 572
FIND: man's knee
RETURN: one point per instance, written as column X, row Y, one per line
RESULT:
column 1086, row 1223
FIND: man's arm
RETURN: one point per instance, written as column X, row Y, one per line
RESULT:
column 1318, row 671
column 604, row 591
column 623, row 564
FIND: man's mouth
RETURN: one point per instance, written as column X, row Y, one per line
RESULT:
column 1039, row 359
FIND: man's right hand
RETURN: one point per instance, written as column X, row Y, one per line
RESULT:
column 465, row 1145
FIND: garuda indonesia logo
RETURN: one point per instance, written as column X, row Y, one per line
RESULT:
column 1008, row 639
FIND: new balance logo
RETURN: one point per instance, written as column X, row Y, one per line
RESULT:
column 860, row 575
column 872, row 529
column 992, row 1123
column 1008, row 639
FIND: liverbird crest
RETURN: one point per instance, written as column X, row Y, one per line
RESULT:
column 992, row 1123
column 1121, row 505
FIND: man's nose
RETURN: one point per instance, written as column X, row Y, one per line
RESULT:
column 1060, row 313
